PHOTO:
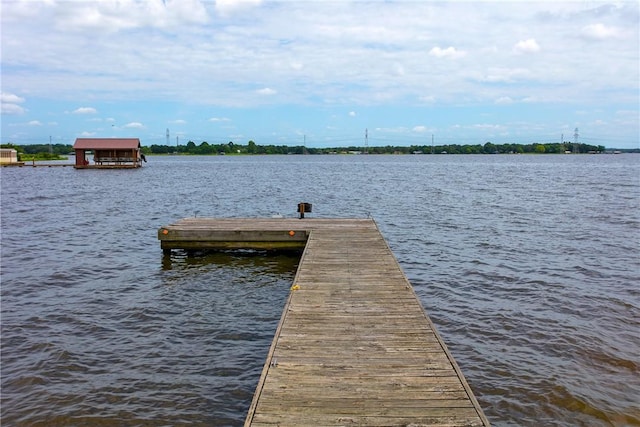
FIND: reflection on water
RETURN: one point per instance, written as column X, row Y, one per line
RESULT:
column 528, row 265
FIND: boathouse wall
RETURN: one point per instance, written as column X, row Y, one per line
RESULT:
column 8, row 155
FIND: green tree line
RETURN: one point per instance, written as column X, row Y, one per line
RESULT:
column 488, row 148
column 52, row 151
column 204, row 148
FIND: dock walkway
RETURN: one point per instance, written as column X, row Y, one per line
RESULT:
column 354, row 345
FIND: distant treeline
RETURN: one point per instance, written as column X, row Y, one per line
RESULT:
column 488, row 148
column 205, row 148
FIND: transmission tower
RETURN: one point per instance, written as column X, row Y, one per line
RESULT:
column 575, row 142
column 366, row 141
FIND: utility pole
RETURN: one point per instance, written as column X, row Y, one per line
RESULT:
column 575, row 142
column 167, row 137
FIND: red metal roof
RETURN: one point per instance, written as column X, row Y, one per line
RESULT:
column 106, row 143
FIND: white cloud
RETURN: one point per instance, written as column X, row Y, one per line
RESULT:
column 10, row 98
column 527, row 46
column 266, row 91
column 114, row 16
column 229, row 7
column 506, row 75
column 486, row 126
column 179, row 12
column 85, row 110
column 134, row 125
column 419, row 129
column 450, row 52
column 504, row 100
column 600, row 32
column 178, row 122
column 219, row 119
column 87, row 134
column 352, row 113
column 34, row 123
column 12, row 109
column 9, row 103
column 394, row 130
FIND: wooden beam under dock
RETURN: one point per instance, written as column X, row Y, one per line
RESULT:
column 354, row 345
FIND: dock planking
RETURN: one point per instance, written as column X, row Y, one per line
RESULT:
column 354, row 345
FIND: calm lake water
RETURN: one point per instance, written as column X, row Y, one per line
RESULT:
column 528, row 265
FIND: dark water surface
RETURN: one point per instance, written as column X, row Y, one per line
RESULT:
column 528, row 265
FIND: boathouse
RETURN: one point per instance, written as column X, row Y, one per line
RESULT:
column 108, row 153
column 8, row 156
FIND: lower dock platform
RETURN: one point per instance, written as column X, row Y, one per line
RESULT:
column 354, row 345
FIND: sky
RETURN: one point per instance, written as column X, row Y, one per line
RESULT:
column 321, row 73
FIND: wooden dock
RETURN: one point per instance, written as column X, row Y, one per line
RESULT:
column 37, row 165
column 354, row 345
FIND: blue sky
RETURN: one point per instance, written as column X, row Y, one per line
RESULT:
column 321, row 72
